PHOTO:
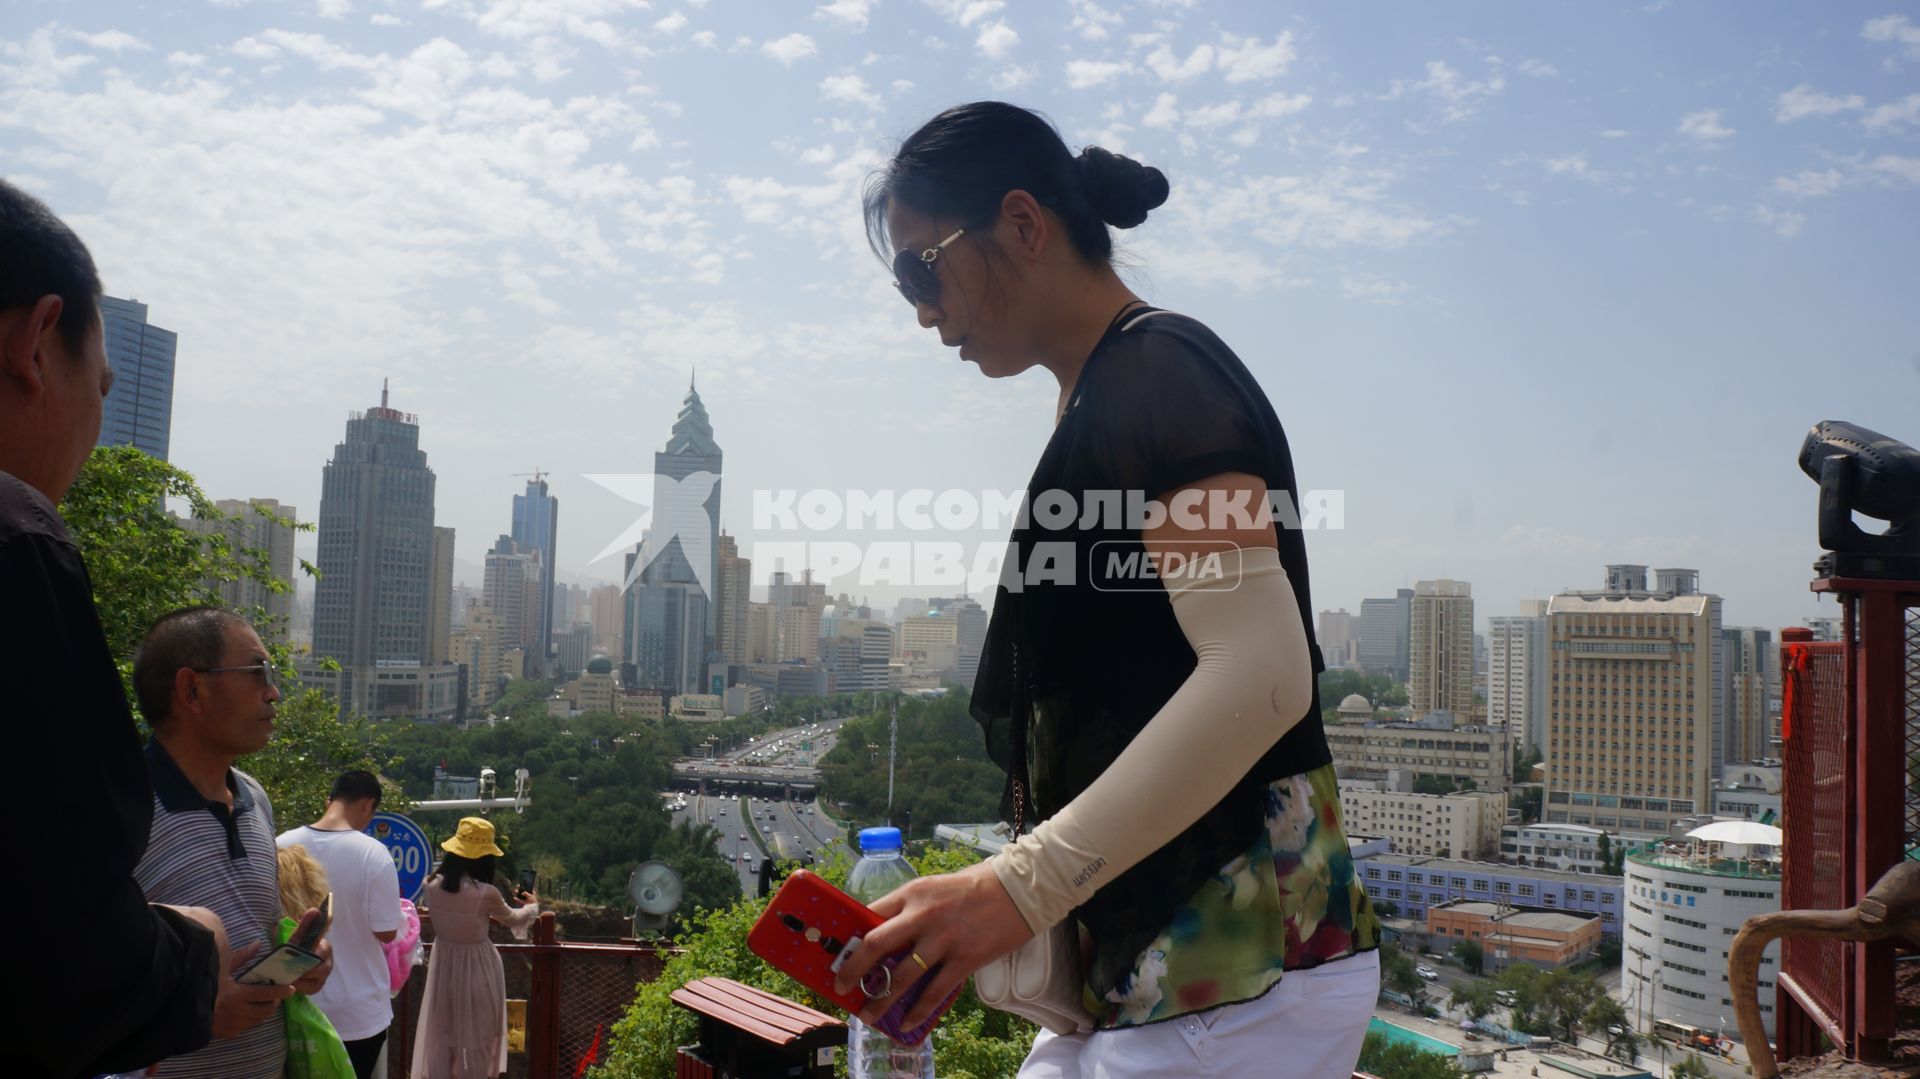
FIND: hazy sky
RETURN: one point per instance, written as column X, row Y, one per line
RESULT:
column 1537, row 287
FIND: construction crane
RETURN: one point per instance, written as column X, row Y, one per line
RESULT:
column 537, row 474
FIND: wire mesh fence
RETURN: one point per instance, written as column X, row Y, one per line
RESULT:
column 1814, row 812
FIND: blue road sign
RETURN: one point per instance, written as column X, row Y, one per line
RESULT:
column 412, row 854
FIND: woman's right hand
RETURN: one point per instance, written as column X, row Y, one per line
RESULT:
column 529, row 898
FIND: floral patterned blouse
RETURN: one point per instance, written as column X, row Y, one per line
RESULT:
column 1290, row 902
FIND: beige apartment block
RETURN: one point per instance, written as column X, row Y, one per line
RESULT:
column 1631, row 702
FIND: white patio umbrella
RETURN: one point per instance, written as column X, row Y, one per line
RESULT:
column 1751, row 833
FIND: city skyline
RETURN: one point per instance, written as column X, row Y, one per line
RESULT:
column 1534, row 294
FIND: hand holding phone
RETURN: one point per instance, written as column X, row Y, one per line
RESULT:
column 528, row 878
column 808, row 930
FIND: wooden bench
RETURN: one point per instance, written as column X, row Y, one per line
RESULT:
column 747, row 1032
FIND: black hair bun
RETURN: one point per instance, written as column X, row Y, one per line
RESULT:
column 1121, row 189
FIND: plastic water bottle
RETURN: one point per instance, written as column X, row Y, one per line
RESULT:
column 871, row 1054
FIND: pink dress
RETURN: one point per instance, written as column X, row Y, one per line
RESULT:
column 462, row 1031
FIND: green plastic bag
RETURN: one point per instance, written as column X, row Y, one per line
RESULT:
column 314, row 1050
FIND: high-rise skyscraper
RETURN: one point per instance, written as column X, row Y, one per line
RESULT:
column 139, row 407
column 971, row 630
column 1517, row 674
column 253, row 526
column 373, row 604
column 1440, row 649
column 536, row 527
column 668, row 627
column 512, row 591
column 732, row 593
column 440, row 600
column 1385, row 626
column 1752, row 672
column 1632, row 692
column 376, row 542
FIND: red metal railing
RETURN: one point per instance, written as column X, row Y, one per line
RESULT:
column 1851, row 806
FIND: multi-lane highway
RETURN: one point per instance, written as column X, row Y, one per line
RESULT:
column 750, row 823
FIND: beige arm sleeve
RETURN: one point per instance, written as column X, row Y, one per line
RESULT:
column 1253, row 680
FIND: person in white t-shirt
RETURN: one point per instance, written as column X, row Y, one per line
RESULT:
column 358, row 998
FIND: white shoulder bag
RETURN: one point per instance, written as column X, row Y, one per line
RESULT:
column 1041, row 980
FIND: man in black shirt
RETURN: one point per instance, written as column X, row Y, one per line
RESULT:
column 105, row 981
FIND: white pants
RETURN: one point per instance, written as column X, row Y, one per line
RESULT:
column 1309, row 1026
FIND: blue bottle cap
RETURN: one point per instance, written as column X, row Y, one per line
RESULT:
column 879, row 839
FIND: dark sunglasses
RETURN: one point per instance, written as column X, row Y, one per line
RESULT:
column 914, row 275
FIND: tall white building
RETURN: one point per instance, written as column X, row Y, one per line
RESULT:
column 1683, row 909
column 1517, row 674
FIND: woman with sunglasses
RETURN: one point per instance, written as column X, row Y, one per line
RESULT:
column 1148, row 678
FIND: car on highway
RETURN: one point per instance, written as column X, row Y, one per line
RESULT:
column 743, row 837
column 1423, row 970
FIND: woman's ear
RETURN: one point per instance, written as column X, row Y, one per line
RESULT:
column 1026, row 226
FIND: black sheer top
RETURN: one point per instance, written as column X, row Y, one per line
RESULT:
column 1078, row 659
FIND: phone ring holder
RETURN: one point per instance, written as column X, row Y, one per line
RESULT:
column 886, row 984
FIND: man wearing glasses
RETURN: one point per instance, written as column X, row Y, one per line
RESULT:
column 205, row 683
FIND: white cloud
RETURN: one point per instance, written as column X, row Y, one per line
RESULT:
column 332, row 9
column 1809, row 183
column 852, row 14
column 967, row 12
column 1705, row 128
column 996, row 39
column 114, row 41
column 37, row 61
column 1893, row 114
column 381, row 18
column 1539, row 69
column 1165, row 112
column 851, row 89
column 1213, row 115
column 1360, row 285
column 1084, row 74
column 1783, row 222
column 787, row 50
column 706, row 39
column 1895, row 166
column 1094, row 22
column 1453, row 95
column 324, row 53
column 671, row 24
column 819, row 155
column 1615, row 133
column 1340, row 208
column 1803, row 101
column 1246, row 59
column 1896, row 30
column 1276, row 105
column 1172, row 69
column 1012, row 78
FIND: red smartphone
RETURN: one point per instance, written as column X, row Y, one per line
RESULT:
column 808, row 930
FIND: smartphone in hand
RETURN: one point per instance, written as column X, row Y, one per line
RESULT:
column 808, row 930
column 291, row 961
column 282, row 966
column 528, row 878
